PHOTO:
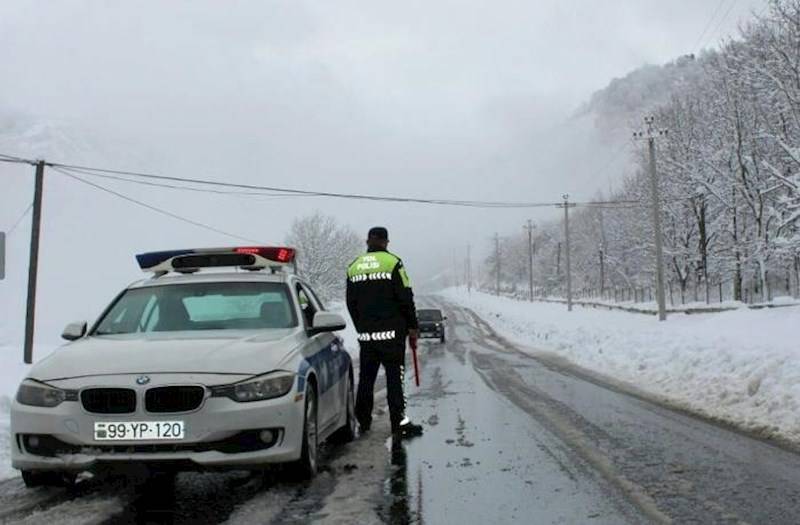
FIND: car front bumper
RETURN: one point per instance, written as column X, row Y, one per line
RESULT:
column 431, row 332
column 219, row 434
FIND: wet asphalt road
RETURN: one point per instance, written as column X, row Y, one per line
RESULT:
column 509, row 439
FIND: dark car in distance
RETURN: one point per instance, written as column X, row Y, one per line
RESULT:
column 431, row 324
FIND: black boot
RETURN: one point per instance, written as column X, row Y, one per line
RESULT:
column 408, row 430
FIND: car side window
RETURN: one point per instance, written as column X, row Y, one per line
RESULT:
column 315, row 297
column 307, row 305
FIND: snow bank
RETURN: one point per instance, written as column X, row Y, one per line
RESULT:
column 5, row 449
column 741, row 366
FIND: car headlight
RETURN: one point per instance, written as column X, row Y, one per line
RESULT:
column 37, row 394
column 269, row 386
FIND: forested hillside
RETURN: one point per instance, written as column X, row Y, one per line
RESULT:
column 729, row 170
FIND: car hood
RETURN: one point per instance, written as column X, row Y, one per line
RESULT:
column 219, row 352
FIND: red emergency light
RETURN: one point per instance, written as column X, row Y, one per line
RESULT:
column 271, row 253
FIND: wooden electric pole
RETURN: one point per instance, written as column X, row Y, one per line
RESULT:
column 567, row 205
column 650, row 134
column 469, row 269
column 33, row 265
column 497, row 264
column 530, row 227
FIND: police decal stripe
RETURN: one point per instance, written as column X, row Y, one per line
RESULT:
column 377, row 336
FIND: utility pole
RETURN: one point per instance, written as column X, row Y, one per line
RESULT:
column 650, row 134
column 455, row 271
column 602, row 272
column 566, row 205
column 33, row 265
column 558, row 261
column 497, row 263
column 2, row 255
column 530, row 227
column 469, row 269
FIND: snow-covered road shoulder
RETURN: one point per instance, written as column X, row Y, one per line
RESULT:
column 742, row 366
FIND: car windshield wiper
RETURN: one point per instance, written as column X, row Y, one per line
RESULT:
column 103, row 332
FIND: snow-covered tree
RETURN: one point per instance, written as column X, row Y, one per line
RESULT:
column 325, row 249
column 729, row 173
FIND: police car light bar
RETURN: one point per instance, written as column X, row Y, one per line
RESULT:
column 281, row 255
column 186, row 261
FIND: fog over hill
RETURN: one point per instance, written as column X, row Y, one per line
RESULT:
column 86, row 224
column 474, row 103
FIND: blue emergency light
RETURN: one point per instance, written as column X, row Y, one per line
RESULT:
column 150, row 259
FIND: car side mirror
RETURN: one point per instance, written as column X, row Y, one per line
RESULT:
column 327, row 322
column 74, row 331
column 444, row 318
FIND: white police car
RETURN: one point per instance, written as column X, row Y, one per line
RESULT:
column 190, row 369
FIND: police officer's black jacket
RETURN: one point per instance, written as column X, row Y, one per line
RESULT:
column 379, row 297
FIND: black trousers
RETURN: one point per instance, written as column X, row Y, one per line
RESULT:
column 392, row 355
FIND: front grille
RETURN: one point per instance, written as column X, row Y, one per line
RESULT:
column 174, row 398
column 245, row 441
column 109, row 400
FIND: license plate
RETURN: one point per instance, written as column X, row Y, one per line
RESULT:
column 138, row 431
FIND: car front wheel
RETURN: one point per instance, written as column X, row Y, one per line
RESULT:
column 306, row 467
column 347, row 433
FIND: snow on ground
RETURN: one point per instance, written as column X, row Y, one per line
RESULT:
column 741, row 366
column 652, row 306
column 5, row 446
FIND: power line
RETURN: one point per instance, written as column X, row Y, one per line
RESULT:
column 11, row 157
column 274, row 191
column 708, row 24
column 297, row 192
column 292, row 191
column 19, row 220
column 187, row 188
column 722, row 20
column 15, row 161
column 156, row 209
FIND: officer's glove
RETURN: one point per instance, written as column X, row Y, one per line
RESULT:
column 413, row 336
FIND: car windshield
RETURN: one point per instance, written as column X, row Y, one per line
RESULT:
column 200, row 306
column 429, row 315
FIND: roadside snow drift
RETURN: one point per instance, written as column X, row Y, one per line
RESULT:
column 740, row 366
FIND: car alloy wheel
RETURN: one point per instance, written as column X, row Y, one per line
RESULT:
column 347, row 432
column 351, row 408
column 311, row 435
column 306, row 467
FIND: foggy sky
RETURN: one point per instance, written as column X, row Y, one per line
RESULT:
column 460, row 100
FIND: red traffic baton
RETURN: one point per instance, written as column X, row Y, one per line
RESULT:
column 416, row 361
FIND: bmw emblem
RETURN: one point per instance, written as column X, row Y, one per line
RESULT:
column 142, row 380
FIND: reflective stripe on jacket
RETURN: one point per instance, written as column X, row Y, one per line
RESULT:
column 379, row 296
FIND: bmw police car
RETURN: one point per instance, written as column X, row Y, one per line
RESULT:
column 191, row 369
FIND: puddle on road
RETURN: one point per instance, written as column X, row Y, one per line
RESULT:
column 403, row 494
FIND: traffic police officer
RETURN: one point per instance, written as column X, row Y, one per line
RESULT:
column 381, row 304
